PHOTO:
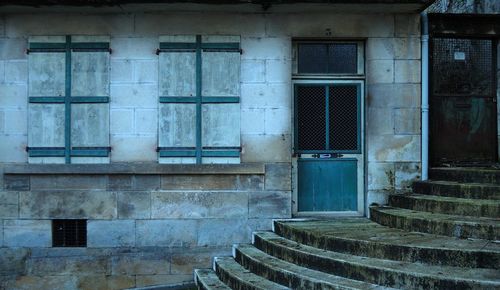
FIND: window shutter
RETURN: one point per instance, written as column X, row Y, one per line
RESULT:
column 220, row 98
column 199, row 96
column 69, row 97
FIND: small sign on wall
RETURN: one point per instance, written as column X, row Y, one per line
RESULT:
column 459, row 55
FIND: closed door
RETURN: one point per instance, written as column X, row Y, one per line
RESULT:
column 463, row 101
column 328, row 146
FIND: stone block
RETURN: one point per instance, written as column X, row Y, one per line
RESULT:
column 278, row 121
column 113, row 233
column 27, row 233
column 407, row 48
column 16, row 71
column 141, row 264
column 407, row 71
column 151, row 280
column 274, row 95
column 393, row 96
column 65, row 182
column 278, row 176
column 20, row 25
column 146, row 71
column 134, row 47
column 269, row 204
column 13, row 261
column 222, row 232
column 68, row 265
column 67, row 204
column 146, row 121
column 122, row 121
column 266, row 148
column 252, row 121
column 14, row 95
column 406, row 121
column 16, row 122
column 113, row 282
column 407, row 25
column 9, row 197
column 201, row 23
column 381, row 175
column 278, row 71
column 16, row 182
column 2, row 72
column 406, row 174
column 120, row 182
column 380, row 121
column 134, row 205
column 379, row 197
column 122, row 70
column 199, row 205
column 133, row 148
column 8, row 211
column 266, row 48
column 253, row 71
column 13, row 48
column 146, row 182
column 260, row 224
column 171, row 233
column 380, row 48
column 342, row 25
column 212, row 182
column 185, row 263
column 42, row 282
column 134, row 96
column 13, row 148
column 380, row 71
column 387, row 148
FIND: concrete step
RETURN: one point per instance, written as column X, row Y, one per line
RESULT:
column 206, row 279
column 456, row 189
column 237, row 277
column 383, row 272
column 362, row 237
column 294, row 276
column 465, row 174
column 447, row 205
column 438, row 224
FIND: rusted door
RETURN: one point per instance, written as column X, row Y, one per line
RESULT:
column 463, row 101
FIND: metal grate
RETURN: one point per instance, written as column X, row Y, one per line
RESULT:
column 343, row 110
column 327, row 58
column 311, row 108
column 343, row 58
column 69, row 233
column 462, row 66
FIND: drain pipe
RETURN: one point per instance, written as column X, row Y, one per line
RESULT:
column 425, row 95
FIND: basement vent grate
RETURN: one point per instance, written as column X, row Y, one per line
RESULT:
column 69, row 233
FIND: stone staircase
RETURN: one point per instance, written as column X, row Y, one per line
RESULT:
column 444, row 235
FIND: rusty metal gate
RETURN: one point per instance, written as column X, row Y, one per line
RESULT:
column 463, row 101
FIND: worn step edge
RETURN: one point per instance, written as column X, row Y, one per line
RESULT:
column 292, row 275
column 237, row 277
column 447, row 205
column 372, row 270
column 482, row 175
column 438, row 224
column 206, row 279
column 394, row 249
column 456, row 189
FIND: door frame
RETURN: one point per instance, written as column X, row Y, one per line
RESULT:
column 361, row 170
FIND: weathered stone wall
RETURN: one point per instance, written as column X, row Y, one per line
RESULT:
column 465, row 6
column 191, row 217
column 142, row 229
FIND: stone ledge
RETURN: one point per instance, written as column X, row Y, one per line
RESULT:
column 134, row 168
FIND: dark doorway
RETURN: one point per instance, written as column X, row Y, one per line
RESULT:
column 463, row 118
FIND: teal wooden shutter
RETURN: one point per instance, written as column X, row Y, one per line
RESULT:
column 69, row 97
column 199, row 96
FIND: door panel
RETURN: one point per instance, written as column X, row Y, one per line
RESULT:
column 463, row 101
column 327, row 185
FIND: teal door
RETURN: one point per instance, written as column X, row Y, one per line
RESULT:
column 328, row 147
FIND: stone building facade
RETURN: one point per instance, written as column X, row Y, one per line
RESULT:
column 150, row 214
